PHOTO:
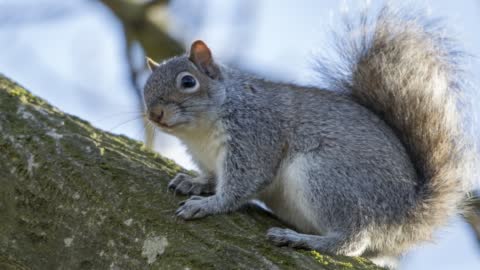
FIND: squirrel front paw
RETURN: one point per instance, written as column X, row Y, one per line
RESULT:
column 196, row 207
column 187, row 185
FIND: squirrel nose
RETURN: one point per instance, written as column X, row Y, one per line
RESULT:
column 156, row 116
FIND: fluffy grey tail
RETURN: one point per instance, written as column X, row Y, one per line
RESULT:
column 406, row 71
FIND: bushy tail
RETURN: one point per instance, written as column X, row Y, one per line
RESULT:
column 407, row 72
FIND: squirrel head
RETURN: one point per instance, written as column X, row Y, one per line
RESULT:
column 184, row 91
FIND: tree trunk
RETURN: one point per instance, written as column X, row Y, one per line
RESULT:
column 75, row 197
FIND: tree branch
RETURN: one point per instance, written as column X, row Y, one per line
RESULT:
column 154, row 39
column 75, row 197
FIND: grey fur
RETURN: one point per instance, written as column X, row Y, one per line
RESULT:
column 369, row 170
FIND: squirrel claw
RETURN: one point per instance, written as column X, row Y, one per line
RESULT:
column 186, row 185
column 193, row 208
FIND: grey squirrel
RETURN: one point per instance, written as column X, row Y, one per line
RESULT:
column 369, row 169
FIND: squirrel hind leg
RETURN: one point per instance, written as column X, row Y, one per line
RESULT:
column 332, row 243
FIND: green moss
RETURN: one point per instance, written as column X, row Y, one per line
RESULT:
column 361, row 260
column 15, row 90
column 343, row 262
column 319, row 257
column 11, row 264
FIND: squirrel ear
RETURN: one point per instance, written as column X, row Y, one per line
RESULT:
column 152, row 65
column 201, row 56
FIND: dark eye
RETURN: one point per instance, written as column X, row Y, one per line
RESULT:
column 188, row 81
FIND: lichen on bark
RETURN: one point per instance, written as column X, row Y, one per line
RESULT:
column 75, row 197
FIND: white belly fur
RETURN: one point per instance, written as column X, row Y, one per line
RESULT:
column 285, row 196
column 207, row 147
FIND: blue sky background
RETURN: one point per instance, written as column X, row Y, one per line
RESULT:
column 76, row 62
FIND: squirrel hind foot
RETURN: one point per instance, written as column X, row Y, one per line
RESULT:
column 332, row 243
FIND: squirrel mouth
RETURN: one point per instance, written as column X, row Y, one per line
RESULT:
column 163, row 125
column 166, row 126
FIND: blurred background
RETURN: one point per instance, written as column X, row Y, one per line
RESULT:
column 87, row 58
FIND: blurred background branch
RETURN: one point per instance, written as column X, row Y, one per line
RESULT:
column 146, row 23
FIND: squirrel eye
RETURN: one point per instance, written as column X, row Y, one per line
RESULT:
column 187, row 83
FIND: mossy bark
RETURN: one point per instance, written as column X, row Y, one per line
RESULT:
column 75, row 197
